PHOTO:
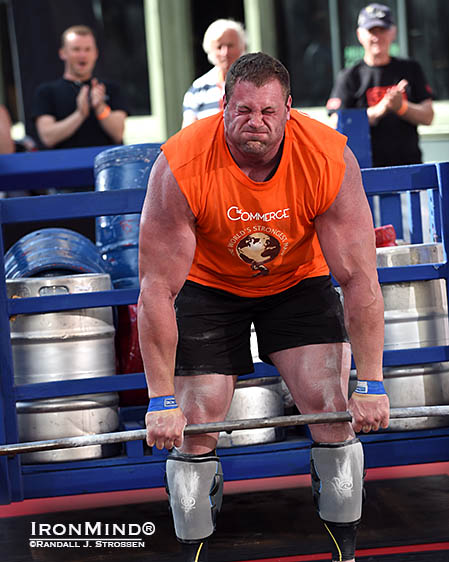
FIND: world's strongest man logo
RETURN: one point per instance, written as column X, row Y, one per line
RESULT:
column 257, row 249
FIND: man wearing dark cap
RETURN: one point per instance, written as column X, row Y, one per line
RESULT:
column 393, row 90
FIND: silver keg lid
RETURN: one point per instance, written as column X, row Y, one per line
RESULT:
column 410, row 254
column 24, row 287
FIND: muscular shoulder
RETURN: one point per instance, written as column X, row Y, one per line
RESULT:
column 318, row 139
column 164, row 201
column 192, row 144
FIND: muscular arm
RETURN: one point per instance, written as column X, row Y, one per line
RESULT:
column 347, row 239
column 166, row 249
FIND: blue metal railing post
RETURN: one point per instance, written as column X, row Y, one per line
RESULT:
column 415, row 217
column 434, row 206
column 391, row 212
column 354, row 124
column 443, row 189
column 11, row 488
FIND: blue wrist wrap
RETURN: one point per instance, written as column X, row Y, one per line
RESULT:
column 370, row 387
column 162, row 403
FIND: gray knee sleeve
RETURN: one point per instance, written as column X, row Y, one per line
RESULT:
column 195, row 488
column 337, row 480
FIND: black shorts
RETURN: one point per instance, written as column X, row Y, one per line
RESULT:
column 215, row 326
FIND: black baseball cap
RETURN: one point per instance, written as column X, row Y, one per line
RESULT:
column 375, row 15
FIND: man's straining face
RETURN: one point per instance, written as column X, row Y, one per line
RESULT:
column 255, row 118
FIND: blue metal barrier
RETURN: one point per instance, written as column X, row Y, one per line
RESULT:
column 138, row 467
column 387, row 205
column 49, row 168
column 354, row 124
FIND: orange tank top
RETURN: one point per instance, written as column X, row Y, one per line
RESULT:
column 257, row 238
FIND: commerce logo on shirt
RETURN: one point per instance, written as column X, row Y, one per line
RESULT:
column 236, row 214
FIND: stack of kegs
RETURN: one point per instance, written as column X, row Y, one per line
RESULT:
column 416, row 315
column 65, row 345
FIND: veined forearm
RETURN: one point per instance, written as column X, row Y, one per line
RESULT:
column 158, row 337
column 364, row 319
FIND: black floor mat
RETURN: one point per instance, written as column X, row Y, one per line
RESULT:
column 253, row 526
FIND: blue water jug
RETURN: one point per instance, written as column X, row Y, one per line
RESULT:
column 117, row 236
column 52, row 251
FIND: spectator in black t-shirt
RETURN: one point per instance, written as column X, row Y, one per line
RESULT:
column 394, row 91
column 78, row 110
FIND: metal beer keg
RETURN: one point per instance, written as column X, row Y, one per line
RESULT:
column 415, row 311
column 416, row 315
column 254, row 398
column 261, row 397
column 57, row 346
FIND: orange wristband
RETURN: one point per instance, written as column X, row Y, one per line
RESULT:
column 106, row 111
column 403, row 108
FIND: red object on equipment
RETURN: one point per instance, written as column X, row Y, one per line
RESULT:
column 128, row 354
column 385, row 236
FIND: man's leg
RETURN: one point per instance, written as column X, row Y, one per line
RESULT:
column 194, row 475
column 317, row 376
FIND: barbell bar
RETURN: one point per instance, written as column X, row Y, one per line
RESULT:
column 213, row 427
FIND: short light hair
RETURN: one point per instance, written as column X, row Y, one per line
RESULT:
column 216, row 30
column 259, row 69
column 78, row 30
